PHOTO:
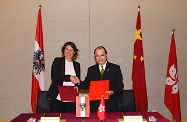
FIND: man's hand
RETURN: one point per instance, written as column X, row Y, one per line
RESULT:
column 110, row 92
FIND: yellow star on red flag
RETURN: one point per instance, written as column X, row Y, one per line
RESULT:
column 142, row 58
column 135, row 57
column 137, row 35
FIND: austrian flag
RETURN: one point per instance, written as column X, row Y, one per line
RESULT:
column 38, row 72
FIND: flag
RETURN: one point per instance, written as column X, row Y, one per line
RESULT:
column 101, row 111
column 38, row 72
column 138, row 70
column 82, row 106
column 172, row 98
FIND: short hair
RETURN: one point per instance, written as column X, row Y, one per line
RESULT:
column 100, row 47
column 70, row 44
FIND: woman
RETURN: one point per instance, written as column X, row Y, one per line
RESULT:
column 64, row 71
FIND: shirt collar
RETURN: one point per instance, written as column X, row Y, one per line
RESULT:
column 104, row 66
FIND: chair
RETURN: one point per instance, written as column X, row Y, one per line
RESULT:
column 83, row 91
column 42, row 103
column 126, row 101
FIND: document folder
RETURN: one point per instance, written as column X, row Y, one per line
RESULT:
column 97, row 89
column 67, row 93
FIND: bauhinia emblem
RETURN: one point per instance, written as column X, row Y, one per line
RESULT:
column 38, row 62
column 101, row 108
column 173, row 79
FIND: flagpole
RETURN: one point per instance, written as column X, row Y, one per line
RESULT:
column 103, row 120
column 173, row 120
column 173, row 31
column 138, row 104
column 40, row 7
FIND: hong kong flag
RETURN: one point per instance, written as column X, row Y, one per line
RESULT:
column 172, row 97
column 101, row 111
column 38, row 72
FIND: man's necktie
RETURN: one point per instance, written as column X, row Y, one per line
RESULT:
column 102, row 70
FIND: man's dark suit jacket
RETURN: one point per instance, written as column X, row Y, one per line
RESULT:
column 113, row 74
column 58, row 76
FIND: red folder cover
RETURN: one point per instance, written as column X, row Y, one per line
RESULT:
column 67, row 93
column 98, row 88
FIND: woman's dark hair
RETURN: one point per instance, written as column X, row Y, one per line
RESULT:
column 72, row 45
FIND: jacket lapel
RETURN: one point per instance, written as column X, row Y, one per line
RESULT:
column 107, row 67
column 75, row 68
column 63, row 65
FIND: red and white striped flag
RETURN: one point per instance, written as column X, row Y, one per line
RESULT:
column 38, row 72
column 172, row 97
column 82, row 106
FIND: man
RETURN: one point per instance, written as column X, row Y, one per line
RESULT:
column 112, row 72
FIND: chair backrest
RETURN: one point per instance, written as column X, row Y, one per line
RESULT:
column 43, row 103
column 127, row 101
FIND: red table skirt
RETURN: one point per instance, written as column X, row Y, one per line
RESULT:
column 71, row 117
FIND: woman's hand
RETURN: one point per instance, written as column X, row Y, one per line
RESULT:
column 76, row 88
column 74, row 79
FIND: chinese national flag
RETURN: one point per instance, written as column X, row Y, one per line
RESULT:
column 38, row 72
column 138, row 70
column 172, row 98
column 101, row 111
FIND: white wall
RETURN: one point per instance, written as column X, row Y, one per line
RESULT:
column 90, row 23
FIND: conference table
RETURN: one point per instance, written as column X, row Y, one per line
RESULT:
column 71, row 117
